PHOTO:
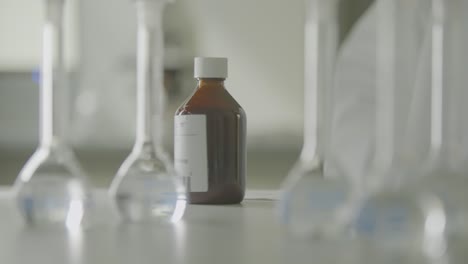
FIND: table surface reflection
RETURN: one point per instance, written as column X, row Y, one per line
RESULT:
column 247, row 233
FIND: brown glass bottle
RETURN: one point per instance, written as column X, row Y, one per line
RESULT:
column 225, row 122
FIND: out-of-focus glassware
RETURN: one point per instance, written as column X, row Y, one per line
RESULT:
column 395, row 213
column 446, row 169
column 146, row 188
column 52, row 189
column 312, row 205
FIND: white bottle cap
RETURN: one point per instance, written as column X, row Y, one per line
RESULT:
column 208, row 67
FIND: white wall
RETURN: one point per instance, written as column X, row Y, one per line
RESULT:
column 263, row 40
column 20, row 34
column 264, row 44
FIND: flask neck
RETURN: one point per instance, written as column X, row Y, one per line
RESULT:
column 151, row 94
column 52, row 97
column 210, row 83
column 321, row 42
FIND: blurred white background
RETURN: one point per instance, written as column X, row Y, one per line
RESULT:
column 263, row 41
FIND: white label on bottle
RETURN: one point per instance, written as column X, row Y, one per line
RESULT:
column 190, row 150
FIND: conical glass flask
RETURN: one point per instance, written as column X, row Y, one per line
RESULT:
column 311, row 204
column 396, row 213
column 446, row 168
column 146, row 188
column 52, row 188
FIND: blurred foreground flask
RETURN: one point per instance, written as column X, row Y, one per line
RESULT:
column 52, row 189
column 396, row 212
column 446, row 168
column 146, row 188
column 312, row 205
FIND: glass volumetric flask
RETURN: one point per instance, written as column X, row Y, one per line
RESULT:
column 395, row 212
column 312, row 205
column 146, row 188
column 52, row 189
column 446, row 170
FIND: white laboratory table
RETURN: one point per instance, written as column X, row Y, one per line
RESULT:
column 247, row 233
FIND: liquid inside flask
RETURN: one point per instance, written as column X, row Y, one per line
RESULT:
column 210, row 138
column 146, row 187
column 313, row 205
column 52, row 189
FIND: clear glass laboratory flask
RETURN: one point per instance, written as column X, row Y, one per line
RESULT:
column 396, row 213
column 52, row 189
column 146, row 188
column 445, row 171
column 312, row 205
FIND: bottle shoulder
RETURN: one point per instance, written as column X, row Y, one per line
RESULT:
column 210, row 101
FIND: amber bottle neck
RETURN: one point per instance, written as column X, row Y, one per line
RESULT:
column 210, row 83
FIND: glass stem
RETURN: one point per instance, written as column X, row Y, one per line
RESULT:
column 150, row 87
column 385, row 90
column 312, row 103
column 51, row 98
column 320, row 44
column 437, row 73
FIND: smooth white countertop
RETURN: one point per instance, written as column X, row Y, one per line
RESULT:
column 247, row 233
